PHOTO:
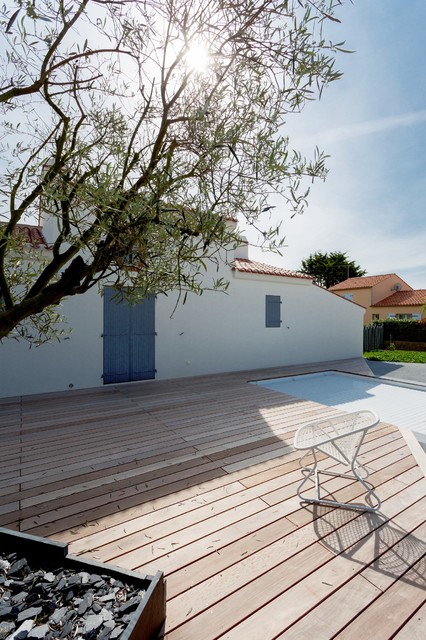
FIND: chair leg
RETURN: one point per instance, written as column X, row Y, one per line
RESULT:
column 372, row 499
column 307, row 472
column 371, row 494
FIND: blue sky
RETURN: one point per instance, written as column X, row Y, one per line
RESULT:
column 372, row 122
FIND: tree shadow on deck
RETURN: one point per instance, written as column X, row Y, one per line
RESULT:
column 79, row 459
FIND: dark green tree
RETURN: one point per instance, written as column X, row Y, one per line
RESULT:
column 141, row 126
column 327, row 269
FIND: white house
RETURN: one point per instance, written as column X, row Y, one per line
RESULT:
column 269, row 317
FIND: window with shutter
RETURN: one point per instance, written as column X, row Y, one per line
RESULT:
column 272, row 311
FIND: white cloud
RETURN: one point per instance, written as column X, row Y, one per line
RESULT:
column 371, row 127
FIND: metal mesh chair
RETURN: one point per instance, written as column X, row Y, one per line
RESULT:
column 340, row 438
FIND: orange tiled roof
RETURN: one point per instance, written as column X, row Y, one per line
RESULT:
column 364, row 282
column 403, row 299
column 250, row 266
column 32, row 234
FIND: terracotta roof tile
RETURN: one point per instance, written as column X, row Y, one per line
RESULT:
column 33, row 235
column 250, row 266
column 364, row 282
column 403, row 299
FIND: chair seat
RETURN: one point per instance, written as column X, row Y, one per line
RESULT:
column 338, row 436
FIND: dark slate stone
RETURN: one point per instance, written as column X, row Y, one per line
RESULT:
column 73, row 580
column 129, row 606
column 32, row 599
column 22, row 632
column 66, row 630
column 50, row 576
column 85, row 577
column 108, row 597
column 58, row 615
column 40, row 632
column 69, row 596
column 19, row 597
column 61, row 584
column 5, row 610
column 93, row 621
column 6, row 629
column 107, row 614
column 19, row 566
column 71, row 615
column 15, row 611
column 63, row 603
column 105, row 634
column 40, row 589
column 49, row 607
column 116, row 632
column 32, row 576
column 14, row 585
column 32, row 612
column 86, row 603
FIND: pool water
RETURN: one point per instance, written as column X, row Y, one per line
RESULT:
column 400, row 404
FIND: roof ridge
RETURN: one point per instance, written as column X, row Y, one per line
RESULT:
column 247, row 265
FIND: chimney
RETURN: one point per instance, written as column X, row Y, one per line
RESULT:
column 46, row 219
column 242, row 251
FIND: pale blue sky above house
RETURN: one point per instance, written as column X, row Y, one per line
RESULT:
column 372, row 122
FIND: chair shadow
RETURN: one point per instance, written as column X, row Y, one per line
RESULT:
column 344, row 532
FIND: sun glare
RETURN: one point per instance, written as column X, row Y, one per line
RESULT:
column 197, row 57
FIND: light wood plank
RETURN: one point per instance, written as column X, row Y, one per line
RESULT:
column 414, row 628
column 198, row 477
column 393, row 609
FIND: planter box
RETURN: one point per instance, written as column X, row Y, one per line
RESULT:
column 146, row 621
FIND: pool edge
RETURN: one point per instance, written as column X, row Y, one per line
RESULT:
column 415, row 447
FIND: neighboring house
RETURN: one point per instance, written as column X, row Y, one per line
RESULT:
column 383, row 296
column 401, row 305
column 269, row 317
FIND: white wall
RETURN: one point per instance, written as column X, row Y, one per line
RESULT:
column 212, row 333
column 219, row 332
column 76, row 361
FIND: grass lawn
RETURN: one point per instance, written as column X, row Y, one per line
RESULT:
column 397, row 356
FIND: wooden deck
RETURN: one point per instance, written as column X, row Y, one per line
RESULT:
column 197, row 477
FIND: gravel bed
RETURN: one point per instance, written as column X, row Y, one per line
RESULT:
column 62, row 603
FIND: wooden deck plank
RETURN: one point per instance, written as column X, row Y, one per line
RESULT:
column 393, row 608
column 326, row 620
column 252, row 569
column 198, row 477
column 283, row 605
column 414, row 628
column 398, row 553
column 214, row 542
column 46, row 512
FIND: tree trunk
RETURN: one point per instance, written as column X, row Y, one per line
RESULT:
column 67, row 285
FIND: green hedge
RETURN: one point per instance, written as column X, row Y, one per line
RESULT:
column 403, row 330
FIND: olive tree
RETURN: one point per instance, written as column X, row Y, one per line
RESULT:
column 141, row 127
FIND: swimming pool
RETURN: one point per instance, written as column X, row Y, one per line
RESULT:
column 397, row 403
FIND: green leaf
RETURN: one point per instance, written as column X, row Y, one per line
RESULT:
column 12, row 20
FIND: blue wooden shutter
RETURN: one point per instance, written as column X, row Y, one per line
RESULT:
column 129, row 338
column 272, row 311
column 116, row 337
column 142, row 366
